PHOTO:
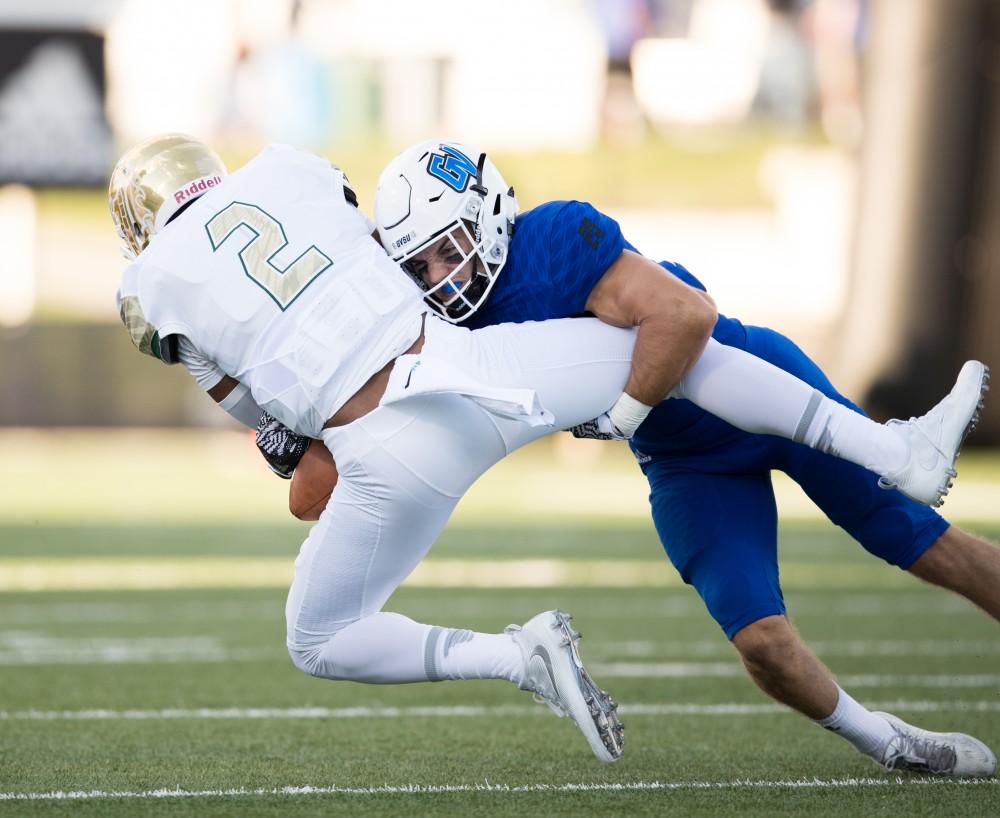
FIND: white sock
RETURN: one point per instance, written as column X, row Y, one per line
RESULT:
column 389, row 648
column 836, row 430
column 867, row 732
column 462, row 654
column 758, row 397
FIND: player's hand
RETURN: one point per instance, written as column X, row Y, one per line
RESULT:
column 600, row 428
column 281, row 447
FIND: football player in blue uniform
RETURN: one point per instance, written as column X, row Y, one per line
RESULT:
column 445, row 213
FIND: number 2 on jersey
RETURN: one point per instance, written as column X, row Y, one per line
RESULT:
column 284, row 286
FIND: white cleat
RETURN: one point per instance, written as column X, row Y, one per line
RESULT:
column 922, row 751
column 936, row 438
column 554, row 672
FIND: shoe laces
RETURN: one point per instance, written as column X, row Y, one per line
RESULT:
column 908, row 751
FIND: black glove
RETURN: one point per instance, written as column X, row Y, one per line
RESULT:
column 281, row 447
column 600, row 428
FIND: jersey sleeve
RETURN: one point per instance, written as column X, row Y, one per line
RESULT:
column 201, row 368
column 583, row 244
column 146, row 337
column 683, row 273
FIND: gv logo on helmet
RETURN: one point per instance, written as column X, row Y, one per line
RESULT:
column 454, row 168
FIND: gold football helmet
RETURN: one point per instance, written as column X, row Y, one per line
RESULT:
column 154, row 180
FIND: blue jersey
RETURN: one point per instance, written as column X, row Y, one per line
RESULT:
column 559, row 252
column 710, row 487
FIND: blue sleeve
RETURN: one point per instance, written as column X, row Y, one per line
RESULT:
column 559, row 252
column 582, row 244
column 682, row 273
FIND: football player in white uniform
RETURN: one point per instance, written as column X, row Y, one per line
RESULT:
column 269, row 288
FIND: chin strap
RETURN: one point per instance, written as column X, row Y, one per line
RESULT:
column 479, row 187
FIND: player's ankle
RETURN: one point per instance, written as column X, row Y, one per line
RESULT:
column 869, row 733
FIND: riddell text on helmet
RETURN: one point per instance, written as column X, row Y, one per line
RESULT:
column 196, row 187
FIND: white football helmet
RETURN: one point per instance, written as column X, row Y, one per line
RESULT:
column 448, row 196
column 154, row 180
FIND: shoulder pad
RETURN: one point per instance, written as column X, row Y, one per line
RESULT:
column 144, row 335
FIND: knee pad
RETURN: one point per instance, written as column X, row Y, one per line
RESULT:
column 308, row 659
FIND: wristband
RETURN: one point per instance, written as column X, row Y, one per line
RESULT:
column 627, row 414
column 240, row 405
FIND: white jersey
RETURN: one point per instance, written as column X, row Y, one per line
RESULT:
column 274, row 277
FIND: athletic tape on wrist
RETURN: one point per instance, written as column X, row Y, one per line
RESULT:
column 627, row 414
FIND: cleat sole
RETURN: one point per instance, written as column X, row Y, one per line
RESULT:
column 984, row 387
column 602, row 708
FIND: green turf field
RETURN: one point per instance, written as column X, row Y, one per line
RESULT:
column 182, row 700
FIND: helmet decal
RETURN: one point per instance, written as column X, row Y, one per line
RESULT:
column 454, row 168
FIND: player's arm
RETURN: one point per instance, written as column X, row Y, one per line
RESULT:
column 225, row 390
column 292, row 456
column 674, row 324
column 289, row 455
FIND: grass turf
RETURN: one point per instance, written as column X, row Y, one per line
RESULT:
column 188, row 649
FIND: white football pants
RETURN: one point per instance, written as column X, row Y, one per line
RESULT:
column 404, row 467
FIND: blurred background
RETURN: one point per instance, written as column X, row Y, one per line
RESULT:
column 830, row 168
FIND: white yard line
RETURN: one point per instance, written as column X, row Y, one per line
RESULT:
column 135, row 613
column 857, row 647
column 38, row 648
column 698, row 670
column 472, row 603
column 32, row 647
column 460, row 711
column 487, row 787
column 152, row 573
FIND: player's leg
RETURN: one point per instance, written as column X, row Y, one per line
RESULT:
column 720, row 532
column 886, row 523
column 402, row 469
column 915, row 456
column 750, row 393
column 965, row 564
column 573, row 365
column 892, row 527
column 400, row 477
column 783, row 666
